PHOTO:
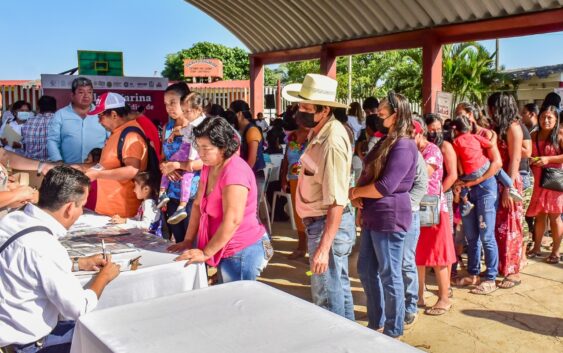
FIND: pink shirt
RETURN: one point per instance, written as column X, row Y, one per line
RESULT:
column 235, row 172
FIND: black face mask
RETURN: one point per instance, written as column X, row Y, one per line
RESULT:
column 436, row 138
column 379, row 127
column 307, row 119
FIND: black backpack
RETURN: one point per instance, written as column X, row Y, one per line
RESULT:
column 153, row 164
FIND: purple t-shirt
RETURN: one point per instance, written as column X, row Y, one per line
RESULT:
column 392, row 212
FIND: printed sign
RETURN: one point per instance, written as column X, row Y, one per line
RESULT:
column 203, row 68
column 147, row 92
column 444, row 105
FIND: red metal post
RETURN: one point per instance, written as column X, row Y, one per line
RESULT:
column 256, row 85
column 431, row 72
column 278, row 99
column 328, row 62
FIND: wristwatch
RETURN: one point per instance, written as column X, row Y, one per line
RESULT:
column 40, row 167
column 75, row 267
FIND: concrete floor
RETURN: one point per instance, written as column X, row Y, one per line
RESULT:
column 527, row 318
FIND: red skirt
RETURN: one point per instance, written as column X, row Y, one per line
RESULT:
column 436, row 244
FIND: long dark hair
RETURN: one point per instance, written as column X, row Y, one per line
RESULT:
column 554, row 136
column 403, row 128
column 480, row 118
column 504, row 111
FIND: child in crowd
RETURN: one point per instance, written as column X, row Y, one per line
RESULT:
column 148, row 216
column 190, row 180
column 472, row 161
column 93, row 158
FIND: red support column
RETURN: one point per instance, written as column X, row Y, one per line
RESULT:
column 328, row 63
column 431, row 72
column 256, row 85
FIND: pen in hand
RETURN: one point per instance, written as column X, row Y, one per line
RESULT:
column 104, row 250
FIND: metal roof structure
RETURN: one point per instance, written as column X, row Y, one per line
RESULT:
column 528, row 73
column 276, row 25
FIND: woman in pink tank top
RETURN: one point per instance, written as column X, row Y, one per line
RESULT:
column 223, row 219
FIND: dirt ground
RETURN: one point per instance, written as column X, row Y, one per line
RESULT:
column 527, row 318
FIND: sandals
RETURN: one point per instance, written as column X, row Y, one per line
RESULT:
column 435, row 311
column 486, row 287
column 552, row 259
column 533, row 255
column 508, row 283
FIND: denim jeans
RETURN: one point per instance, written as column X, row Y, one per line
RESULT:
column 331, row 289
column 380, row 266
column 479, row 227
column 526, row 179
column 501, row 176
column 178, row 230
column 245, row 265
column 58, row 341
column 410, row 274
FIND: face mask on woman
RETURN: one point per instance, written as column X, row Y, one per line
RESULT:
column 435, row 137
column 23, row 116
column 379, row 127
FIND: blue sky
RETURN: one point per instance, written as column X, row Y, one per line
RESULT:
column 43, row 36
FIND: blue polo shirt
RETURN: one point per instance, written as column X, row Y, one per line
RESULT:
column 70, row 138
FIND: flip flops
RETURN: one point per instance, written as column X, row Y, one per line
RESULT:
column 552, row 259
column 434, row 311
column 508, row 283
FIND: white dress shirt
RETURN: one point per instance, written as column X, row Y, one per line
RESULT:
column 36, row 282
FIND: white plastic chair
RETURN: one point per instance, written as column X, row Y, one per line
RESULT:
column 289, row 205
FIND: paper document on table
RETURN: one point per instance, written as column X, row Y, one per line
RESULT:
column 11, row 135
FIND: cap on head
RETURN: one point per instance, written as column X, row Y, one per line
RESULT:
column 108, row 100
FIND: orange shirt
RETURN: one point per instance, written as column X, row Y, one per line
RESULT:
column 117, row 197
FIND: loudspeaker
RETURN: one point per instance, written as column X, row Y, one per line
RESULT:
column 270, row 101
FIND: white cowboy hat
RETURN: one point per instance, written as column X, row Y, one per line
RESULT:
column 316, row 89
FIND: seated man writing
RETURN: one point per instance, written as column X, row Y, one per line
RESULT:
column 36, row 283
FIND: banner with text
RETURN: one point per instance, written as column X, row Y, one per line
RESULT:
column 147, row 92
column 443, row 107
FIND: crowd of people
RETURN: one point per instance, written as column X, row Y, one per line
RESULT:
column 423, row 190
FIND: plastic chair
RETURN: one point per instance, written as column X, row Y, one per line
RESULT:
column 289, row 204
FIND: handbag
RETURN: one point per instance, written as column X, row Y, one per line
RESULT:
column 551, row 178
column 429, row 210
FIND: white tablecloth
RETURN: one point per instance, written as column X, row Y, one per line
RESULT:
column 158, row 275
column 236, row 317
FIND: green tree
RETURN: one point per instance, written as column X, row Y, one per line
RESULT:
column 235, row 61
column 271, row 76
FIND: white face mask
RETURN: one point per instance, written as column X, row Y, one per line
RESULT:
column 23, row 116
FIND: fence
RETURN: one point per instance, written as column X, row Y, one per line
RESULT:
column 11, row 94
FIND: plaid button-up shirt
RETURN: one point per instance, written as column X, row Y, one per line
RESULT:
column 34, row 136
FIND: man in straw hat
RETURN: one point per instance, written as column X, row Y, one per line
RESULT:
column 322, row 192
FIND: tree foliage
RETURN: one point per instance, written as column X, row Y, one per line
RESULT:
column 235, row 61
column 468, row 70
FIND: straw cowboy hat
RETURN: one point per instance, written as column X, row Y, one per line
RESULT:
column 316, row 89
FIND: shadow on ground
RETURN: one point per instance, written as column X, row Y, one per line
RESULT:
column 540, row 324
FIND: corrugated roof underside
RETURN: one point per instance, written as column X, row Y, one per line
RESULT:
column 270, row 25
